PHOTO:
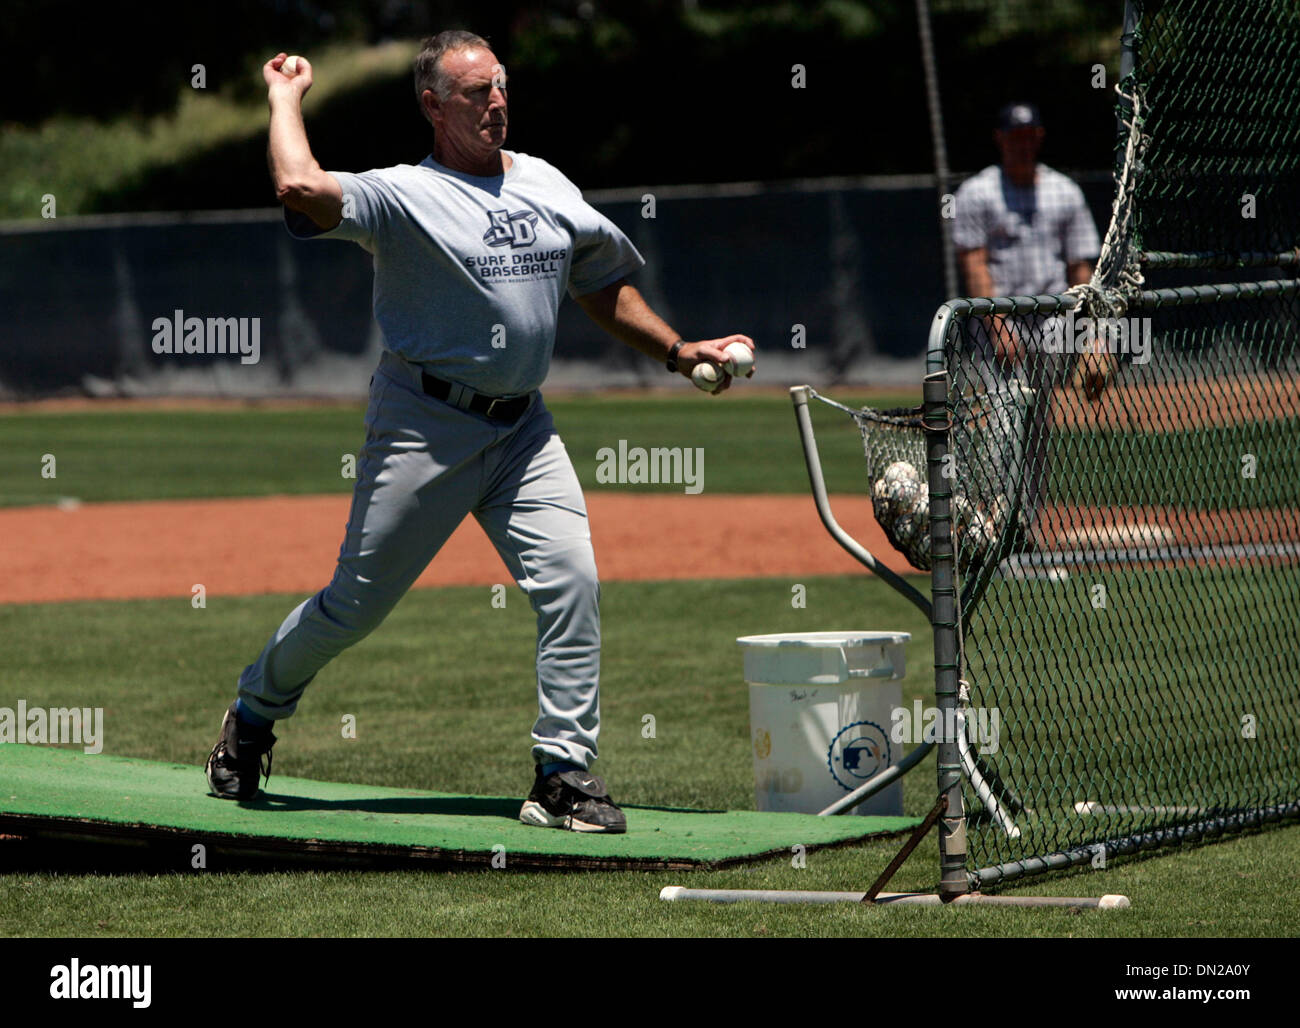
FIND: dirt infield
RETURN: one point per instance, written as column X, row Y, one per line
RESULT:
column 289, row 544
column 1171, row 406
column 1105, row 528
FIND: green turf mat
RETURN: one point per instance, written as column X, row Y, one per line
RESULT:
column 64, row 792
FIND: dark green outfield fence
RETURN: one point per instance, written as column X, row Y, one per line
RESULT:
column 851, row 261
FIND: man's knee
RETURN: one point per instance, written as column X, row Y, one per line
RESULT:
column 567, row 575
column 582, row 570
column 583, row 579
column 351, row 609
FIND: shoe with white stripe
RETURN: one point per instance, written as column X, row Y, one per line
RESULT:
column 576, row 801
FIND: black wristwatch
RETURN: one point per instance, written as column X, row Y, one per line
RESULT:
column 672, row 355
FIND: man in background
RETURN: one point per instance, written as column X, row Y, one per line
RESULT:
column 1022, row 229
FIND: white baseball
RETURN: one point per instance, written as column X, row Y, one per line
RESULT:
column 706, row 376
column 740, row 360
column 290, row 66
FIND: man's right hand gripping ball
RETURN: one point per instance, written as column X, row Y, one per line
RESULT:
column 296, row 77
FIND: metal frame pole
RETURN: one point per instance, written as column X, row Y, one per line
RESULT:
column 953, row 880
column 677, row 894
column 941, row 174
column 956, row 883
column 1127, row 41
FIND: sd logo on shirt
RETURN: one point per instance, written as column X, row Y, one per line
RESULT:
column 517, row 229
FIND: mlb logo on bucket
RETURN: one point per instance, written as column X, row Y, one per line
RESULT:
column 858, row 752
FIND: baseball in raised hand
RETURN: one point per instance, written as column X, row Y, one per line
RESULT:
column 284, row 70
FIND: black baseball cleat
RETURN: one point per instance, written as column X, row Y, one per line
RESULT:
column 575, row 800
column 234, row 767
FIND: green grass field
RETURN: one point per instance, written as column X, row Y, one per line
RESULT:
column 434, row 712
column 751, row 446
column 1152, row 713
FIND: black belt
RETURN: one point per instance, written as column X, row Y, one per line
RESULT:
column 497, row 409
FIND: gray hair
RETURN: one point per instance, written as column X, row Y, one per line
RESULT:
column 428, row 64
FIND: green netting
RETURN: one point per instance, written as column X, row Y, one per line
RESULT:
column 1140, row 648
column 1218, row 100
column 1141, row 653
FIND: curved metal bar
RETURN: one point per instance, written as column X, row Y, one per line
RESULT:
column 877, row 782
column 799, row 396
column 936, row 345
column 1270, row 289
column 981, row 787
column 977, row 307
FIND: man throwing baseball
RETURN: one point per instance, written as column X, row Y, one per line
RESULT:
column 473, row 249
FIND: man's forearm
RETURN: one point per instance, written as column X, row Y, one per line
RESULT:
column 979, row 282
column 975, row 270
column 300, row 183
column 622, row 312
column 288, row 154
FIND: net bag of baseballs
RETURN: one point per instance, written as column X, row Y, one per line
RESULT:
column 901, row 503
column 985, row 498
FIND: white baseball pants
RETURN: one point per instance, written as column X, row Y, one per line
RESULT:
column 425, row 465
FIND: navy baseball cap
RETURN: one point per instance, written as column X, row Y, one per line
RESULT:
column 1019, row 115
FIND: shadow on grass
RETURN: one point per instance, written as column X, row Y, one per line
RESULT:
column 468, row 806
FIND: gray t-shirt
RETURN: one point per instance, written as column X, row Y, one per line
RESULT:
column 1031, row 232
column 469, row 271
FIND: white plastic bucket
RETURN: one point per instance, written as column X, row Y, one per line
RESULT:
column 820, row 706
